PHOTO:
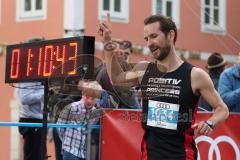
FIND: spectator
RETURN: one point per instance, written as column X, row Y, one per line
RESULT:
column 58, row 99
column 31, row 108
column 60, row 96
column 215, row 66
column 74, row 139
column 127, row 98
column 229, row 87
column 31, row 111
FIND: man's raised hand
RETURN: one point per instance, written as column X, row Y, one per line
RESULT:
column 104, row 29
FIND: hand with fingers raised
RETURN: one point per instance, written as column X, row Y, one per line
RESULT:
column 104, row 30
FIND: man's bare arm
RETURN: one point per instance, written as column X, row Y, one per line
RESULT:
column 202, row 84
column 132, row 77
column 115, row 72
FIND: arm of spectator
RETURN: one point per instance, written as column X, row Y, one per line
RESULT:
column 106, row 101
column 230, row 97
column 63, row 119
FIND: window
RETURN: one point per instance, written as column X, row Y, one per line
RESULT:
column 168, row 8
column 118, row 9
column 213, row 16
column 31, row 10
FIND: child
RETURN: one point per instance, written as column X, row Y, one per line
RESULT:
column 74, row 139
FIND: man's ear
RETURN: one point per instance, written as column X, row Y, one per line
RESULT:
column 171, row 35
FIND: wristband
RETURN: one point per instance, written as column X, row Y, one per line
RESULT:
column 110, row 46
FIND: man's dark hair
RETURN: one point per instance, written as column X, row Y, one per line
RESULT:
column 166, row 24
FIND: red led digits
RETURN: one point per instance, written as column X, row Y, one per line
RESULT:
column 74, row 58
column 60, row 58
column 39, row 62
column 30, row 56
column 48, row 49
column 14, row 73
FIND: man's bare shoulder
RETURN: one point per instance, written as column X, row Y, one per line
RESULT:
column 200, row 79
column 198, row 73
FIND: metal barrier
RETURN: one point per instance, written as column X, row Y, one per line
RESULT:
column 50, row 125
column 54, row 125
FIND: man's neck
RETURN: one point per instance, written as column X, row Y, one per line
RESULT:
column 171, row 62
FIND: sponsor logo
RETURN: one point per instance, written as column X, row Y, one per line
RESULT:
column 164, row 81
column 163, row 105
column 214, row 146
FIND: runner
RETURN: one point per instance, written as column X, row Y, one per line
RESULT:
column 170, row 89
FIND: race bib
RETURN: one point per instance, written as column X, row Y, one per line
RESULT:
column 162, row 115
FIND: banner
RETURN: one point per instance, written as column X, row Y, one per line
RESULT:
column 224, row 142
column 122, row 135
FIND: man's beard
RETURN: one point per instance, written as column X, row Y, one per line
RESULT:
column 164, row 52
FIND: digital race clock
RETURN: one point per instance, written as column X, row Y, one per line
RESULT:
column 60, row 58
